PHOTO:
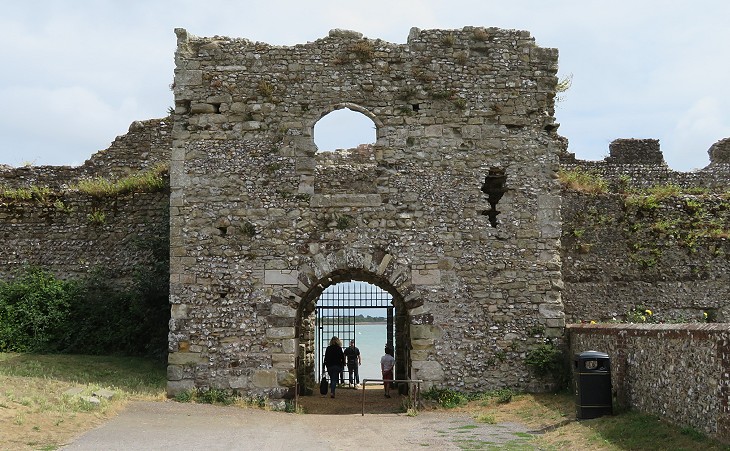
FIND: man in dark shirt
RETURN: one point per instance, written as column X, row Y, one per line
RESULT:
column 352, row 354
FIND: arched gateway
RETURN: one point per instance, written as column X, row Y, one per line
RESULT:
column 454, row 210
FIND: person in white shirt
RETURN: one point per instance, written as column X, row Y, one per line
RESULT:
column 387, row 362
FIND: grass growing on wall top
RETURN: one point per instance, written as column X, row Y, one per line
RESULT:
column 40, row 193
column 149, row 181
column 143, row 182
column 582, row 181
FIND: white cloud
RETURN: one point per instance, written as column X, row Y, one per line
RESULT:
column 640, row 70
column 704, row 123
column 68, row 124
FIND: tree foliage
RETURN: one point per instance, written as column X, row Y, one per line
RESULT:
column 42, row 313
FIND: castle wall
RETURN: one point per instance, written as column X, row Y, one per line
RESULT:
column 622, row 250
column 70, row 233
column 679, row 372
column 261, row 221
column 147, row 144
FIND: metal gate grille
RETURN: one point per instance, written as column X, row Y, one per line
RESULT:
column 337, row 307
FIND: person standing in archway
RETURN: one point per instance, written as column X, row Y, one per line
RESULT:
column 334, row 362
column 387, row 362
column 352, row 354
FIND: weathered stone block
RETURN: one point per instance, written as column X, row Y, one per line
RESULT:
column 281, row 277
column 202, row 108
column 282, row 361
column 420, row 344
column 185, row 358
column 280, row 332
column 174, row 372
column 264, row 378
column 426, row 277
column 428, row 370
column 174, row 388
column 179, row 311
column 424, row 331
column 283, row 310
column 289, row 346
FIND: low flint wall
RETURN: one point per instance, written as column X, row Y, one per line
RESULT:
column 680, row 372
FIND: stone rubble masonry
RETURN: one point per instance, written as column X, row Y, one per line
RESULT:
column 146, row 144
column 262, row 222
column 680, row 372
column 57, row 233
column 616, row 258
column 639, row 163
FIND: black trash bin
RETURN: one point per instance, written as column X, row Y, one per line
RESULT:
column 592, row 385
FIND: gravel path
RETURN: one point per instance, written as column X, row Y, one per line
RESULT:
column 172, row 425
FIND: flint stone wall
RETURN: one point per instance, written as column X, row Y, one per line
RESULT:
column 680, row 372
column 671, row 256
column 639, row 163
column 261, row 223
column 59, row 233
column 147, row 144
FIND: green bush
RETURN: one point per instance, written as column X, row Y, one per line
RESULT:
column 41, row 313
column 547, row 360
column 109, row 321
column 446, row 397
column 128, row 322
column 215, row 396
column 34, row 311
column 504, row 395
column 185, row 396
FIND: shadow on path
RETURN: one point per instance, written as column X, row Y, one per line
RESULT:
column 348, row 401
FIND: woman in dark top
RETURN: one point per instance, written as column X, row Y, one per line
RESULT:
column 334, row 361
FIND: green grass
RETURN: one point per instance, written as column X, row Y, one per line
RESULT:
column 551, row 425
column 132, row 375
column 582, row 181
column 40, row 193
column 37, row 415
column 38, row 411
column 152, row 180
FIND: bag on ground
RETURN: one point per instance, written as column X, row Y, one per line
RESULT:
column 323, row 385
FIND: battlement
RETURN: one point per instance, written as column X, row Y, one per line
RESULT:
column 635, row 151
column 640, row 163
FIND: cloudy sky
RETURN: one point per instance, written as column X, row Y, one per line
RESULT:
column 76, row 73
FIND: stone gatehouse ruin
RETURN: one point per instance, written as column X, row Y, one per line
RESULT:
column 262, row 222
column 455, row 212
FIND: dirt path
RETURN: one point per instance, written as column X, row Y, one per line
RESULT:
column 172, row 425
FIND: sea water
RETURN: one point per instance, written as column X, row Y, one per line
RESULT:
column 370, row 340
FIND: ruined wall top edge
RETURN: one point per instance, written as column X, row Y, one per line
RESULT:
column 146, row 144
column 448, row 37
column 473, row 77
column 631, row 156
